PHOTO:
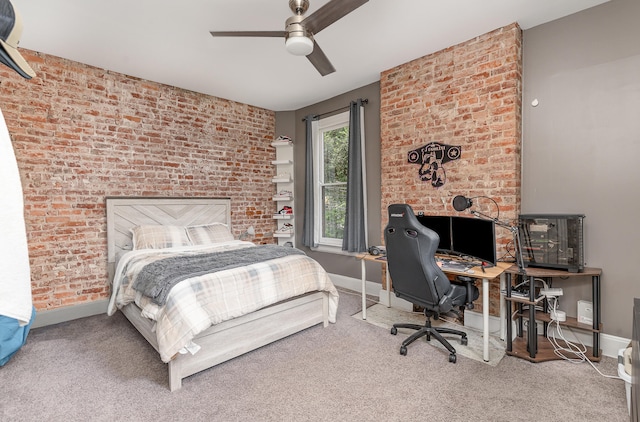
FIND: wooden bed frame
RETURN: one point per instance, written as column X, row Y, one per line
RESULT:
column 223, row 341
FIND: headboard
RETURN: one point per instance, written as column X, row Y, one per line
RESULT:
column 124, row 213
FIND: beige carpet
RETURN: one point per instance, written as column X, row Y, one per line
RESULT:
column 384, row 317
column 100, row 369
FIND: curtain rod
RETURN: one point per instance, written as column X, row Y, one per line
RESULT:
column 364, row 101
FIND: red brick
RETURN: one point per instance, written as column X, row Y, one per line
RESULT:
column 81, row 134
column 472, row 100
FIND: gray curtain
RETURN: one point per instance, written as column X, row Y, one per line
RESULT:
column 307, row 225
column 355, row 227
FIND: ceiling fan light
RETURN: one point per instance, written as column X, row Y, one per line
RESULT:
column 299, row 46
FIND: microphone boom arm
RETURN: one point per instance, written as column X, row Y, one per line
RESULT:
column 515, row 232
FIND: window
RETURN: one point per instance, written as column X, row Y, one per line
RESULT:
column 330, row 153
column 336, row 183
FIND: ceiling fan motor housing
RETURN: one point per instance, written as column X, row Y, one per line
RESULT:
column 295, row 28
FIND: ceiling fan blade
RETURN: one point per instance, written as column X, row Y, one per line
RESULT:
column 247, row 33
column 329, row 13
column 320, row 60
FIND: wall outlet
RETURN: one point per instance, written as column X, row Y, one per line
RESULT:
column 585, row 312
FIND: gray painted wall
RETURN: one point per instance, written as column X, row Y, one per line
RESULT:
column 290, row 122
column 579, row 147
column 581, row 143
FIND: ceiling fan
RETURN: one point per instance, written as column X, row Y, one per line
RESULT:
column 299, row 30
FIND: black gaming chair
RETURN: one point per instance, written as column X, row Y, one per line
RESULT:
column 417, row 278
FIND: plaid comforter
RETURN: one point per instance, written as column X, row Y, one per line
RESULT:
column 193, row 305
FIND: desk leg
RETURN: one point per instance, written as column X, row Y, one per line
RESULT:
column 363, row 274
column 532, row 332
column 388, row 286
column 595, row 296
column 508, row 316
column 503, row 305
column 485, row 319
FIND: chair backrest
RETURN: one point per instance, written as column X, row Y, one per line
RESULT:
column 411, row 262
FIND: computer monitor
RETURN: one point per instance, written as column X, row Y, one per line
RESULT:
column 472, row 238
column 441, row 225
column 475, row 238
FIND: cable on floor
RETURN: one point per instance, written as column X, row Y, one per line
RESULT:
column 571, row 352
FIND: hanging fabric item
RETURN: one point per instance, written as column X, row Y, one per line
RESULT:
column 307, row 222
column 15, row 274
column 16, row 307
column 355, row 224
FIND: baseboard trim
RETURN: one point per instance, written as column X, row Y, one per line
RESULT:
column 355, row 284
column 609, row 344
column 69, row 313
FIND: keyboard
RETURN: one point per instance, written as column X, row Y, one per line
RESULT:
column 455, row 265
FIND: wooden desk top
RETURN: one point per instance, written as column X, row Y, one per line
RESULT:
column 382, row 259
column 489, row 272
column 548, row 272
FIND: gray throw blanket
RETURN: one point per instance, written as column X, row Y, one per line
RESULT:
column 156, row 279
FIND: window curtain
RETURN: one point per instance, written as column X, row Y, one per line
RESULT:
column 307, row 226
column 355, row 227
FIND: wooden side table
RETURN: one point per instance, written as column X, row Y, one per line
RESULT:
column 530, row 348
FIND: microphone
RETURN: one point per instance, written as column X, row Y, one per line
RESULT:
column 460, row 203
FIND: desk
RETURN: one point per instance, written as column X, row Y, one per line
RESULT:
column 364, row 258
column 489, row 274
column 528, row 348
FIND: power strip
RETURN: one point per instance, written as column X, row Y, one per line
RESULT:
column 551, row 292
column 560, row 316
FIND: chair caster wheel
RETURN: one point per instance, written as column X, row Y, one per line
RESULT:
column 394, row 330
column 464, row 341
column 452, row 358
column 403, row 350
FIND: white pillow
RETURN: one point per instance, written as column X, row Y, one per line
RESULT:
column 159, row 237
column 209, row 233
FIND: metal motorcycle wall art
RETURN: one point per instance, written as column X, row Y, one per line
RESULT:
column 431, row 158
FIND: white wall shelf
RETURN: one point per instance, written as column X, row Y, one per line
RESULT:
column 283, row 216
column 283, row 182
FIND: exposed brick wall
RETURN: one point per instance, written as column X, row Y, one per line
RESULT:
column 467, row 95
column 81, row 133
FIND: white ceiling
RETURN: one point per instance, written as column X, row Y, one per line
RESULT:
column 169, row 41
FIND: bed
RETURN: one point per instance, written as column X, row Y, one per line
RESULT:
column 192, row 330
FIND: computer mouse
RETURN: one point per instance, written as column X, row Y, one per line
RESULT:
column 469, row 271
